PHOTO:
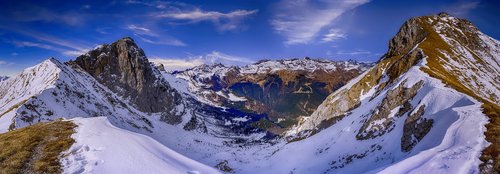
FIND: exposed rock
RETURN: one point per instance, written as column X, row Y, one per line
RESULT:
column 381, row 120
column 409, row 35
column 124, row 68
column 195, row 124
column 415, row 129
column 224, row 166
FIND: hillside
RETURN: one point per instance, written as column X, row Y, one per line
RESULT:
column 414, row 94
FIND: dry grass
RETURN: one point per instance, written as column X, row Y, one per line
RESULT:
column 431, row 47
column 35, row 149
column 492, row 133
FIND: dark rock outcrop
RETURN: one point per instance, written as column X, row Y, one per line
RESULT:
column 409, row 35
column 123, row 67
column 415, row 129
column 381, row 120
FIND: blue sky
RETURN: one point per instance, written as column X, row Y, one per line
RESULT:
column 188, row 33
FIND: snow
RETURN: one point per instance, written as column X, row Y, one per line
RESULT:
column 241, row 119
column 306, row 64
column 103, row 148
column 447, row 148
column 458, row 152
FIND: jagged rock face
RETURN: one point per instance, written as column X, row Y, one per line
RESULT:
column 409, row 35
column 124, row 68
column 383, row 116
column 415, row 129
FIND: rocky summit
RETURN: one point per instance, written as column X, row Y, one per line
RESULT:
column 123, row 67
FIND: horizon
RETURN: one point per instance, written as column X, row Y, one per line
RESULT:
column 232, row 33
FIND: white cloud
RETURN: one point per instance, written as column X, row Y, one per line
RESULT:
column 74, row 53
column 219, row 57
column 141, row 30
column 334, row 34
column 354, row 52
column 223, row 21
column 462, row 8
column 149, row 36
column 300, row 21
column 64, row 51
column 210, row 58
column 103, row 30
column 61, row 43
column 177, row 64
column 34, row 44
column 3, row 62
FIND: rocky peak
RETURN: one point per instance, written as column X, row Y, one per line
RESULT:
column 443, row 14
column 409, row 35
column 123, row 67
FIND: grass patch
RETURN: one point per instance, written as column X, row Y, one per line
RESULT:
column 35, row 149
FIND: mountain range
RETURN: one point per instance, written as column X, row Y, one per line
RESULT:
column 430, row 104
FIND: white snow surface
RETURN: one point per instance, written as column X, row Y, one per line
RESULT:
column 101, row 147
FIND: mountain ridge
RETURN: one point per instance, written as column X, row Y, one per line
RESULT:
column 425, row 102
column 281, row 89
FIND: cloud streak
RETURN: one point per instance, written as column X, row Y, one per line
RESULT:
column 462, row 8
column 354, row 52
column 334, row 34
column 34, row 13
column 149, row 36
column 223, row 21
column 300, row 21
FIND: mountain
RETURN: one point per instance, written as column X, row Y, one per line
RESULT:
column 429, row 105
column 52, row 90
column 438, row 82
column 281, row 89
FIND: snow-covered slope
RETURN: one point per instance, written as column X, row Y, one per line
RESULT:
column 407, row 110
column 101, row 147
column 446, row 148
column 52, row 90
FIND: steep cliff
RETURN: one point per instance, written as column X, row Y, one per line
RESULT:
column 123, row 67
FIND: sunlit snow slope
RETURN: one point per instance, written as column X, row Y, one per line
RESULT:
column 103, row 148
